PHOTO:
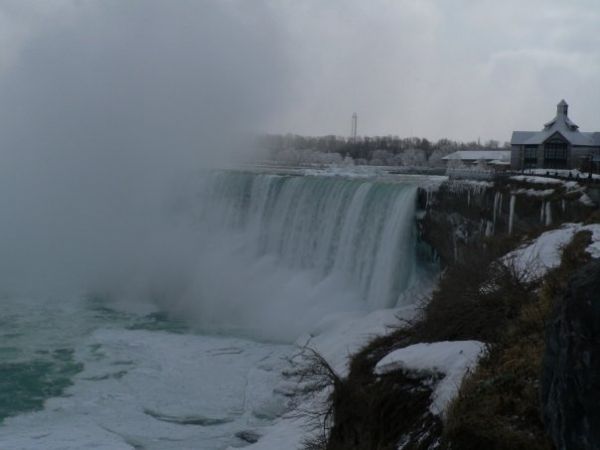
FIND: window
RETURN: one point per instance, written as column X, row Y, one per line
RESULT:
column 555, row 155
column 530, row 156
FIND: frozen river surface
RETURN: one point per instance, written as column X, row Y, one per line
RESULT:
column 87, row 376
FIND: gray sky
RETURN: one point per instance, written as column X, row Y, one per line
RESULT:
column 435, row 68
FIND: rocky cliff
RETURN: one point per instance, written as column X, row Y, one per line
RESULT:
column 460, row 214
column 571, row 367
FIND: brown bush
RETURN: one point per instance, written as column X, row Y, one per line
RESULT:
column 476, row 298
column 499, row 404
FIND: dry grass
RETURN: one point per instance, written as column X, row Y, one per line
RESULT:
column 367, row 412
column 499, row 404
column 477, row 297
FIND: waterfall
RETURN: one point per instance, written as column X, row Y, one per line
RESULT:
column 302, row 245
column 497, row 208
column 511, row 213
column 542, row 211
column 489, row 228
column 548, row 215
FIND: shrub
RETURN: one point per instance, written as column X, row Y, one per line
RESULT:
column 499, row 404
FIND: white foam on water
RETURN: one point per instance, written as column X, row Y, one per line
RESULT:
column 158, row 390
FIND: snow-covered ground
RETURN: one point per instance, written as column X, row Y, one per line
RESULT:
column 561, row 172
column 336, row 338
column 586, row 200
column 451, row 360
column 536, row 258
column 536, row 179
column 539, row 183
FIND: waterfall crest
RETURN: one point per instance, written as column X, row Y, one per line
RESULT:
column 282, row 249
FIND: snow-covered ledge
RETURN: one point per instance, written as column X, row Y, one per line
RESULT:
column 450, row 359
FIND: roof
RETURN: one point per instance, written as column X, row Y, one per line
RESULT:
column 560, row 124
column 577, row 138
column 477, row 155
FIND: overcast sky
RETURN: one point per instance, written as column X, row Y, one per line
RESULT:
column 461, row 69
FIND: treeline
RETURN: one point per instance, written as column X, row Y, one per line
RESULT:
column 377, row 150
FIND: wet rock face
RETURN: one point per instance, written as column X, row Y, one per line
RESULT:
column 571, row 368
column 460, row 214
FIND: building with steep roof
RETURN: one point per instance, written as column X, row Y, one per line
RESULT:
column 560, row 144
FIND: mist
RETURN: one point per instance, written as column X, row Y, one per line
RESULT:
column 104, row 108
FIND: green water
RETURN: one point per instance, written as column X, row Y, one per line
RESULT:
column 24, row 386
column 37, row 358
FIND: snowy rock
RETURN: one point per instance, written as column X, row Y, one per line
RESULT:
column 571, row 368
column 451, row 359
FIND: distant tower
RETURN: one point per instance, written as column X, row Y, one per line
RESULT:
column 354, row 127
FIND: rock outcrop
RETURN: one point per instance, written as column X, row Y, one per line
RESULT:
column 461, row 214
column 571, row 368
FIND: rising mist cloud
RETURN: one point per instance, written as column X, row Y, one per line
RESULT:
column 102, row 105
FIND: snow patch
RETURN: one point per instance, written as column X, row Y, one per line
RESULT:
column 536, row 179
column 537, row 258
column 586, row 200
column 562, row 173
column 337, row 337
column 571, row 186
column 452, row 359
